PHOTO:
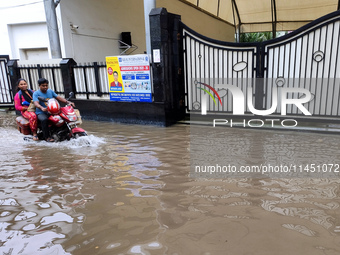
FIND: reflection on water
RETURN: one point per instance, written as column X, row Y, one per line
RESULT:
column 125, row 189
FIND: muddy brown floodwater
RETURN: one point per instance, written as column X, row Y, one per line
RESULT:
column 126, row 189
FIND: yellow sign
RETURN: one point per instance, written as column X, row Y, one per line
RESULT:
column 114, row 75
column 129, row 78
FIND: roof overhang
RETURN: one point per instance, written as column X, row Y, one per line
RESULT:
column 266, row 15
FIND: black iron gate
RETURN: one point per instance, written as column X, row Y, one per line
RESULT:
column 6, row 97
column 306, row 58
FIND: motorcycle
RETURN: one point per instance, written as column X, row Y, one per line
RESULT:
column 63, row 121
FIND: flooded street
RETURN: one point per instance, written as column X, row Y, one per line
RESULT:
column 126, row 189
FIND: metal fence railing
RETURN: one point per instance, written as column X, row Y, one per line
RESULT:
column 6, row 97
column 90, row 78
column 91, row 81
column 31, row 73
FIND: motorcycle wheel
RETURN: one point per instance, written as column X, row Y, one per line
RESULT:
column 77, row 135
column 56, row 138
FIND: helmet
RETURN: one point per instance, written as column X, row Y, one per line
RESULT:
column 53, row 106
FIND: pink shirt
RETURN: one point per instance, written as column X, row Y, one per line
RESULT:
column 17, row 102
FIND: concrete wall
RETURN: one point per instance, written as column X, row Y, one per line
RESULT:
column 101, row 22
column 100, row 25
column 22, row 26
column 199, row 21
column 27, row 38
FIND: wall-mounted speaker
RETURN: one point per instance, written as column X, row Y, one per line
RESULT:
column 126, row 38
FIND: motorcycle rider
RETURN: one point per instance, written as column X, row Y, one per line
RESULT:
column 41, row 108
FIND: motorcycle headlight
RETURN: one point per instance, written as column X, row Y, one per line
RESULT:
column 72, row 117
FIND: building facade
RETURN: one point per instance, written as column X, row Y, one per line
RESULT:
column 91, row 30
column 23, row 30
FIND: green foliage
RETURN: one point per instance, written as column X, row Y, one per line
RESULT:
column 259, row 36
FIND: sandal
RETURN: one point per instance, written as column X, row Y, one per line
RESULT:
column 35, row 138
column 50, row 140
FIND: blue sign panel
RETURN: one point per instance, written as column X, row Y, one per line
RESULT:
column 131, row 97
column 128, row 76
column 142, row 76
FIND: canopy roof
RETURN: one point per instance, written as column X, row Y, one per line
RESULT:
column 266, row 15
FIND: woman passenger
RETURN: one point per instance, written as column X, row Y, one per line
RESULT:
column 22, row 99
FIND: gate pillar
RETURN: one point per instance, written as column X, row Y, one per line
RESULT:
column 166, row 47
column 14, row 74
column 66, row 66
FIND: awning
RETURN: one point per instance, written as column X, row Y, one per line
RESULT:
column 266, row 15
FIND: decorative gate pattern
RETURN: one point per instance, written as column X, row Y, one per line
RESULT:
column 309, row 58
column 306, row 58
column 215, row 62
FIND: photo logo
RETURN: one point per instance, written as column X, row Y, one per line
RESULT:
column 278, row 97
column 205, row 98
column 238, row 99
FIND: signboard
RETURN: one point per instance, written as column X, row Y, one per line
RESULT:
column 129, row 78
